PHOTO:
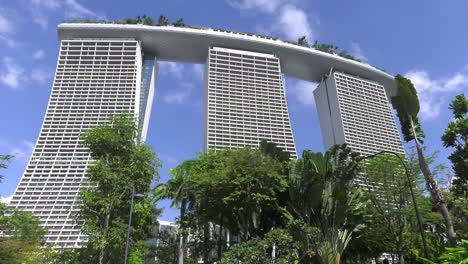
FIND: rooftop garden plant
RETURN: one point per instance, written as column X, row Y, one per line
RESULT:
column 164, row 21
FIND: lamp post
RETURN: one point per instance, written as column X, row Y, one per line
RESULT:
column 408, row 175
column 137, row 195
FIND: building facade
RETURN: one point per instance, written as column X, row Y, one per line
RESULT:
column 357, row 112
column 94, row 79
column 245, row 101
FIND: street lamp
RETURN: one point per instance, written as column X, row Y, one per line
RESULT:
column 134, row 195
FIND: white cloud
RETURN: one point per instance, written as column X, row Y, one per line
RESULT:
column 168, row 160
column 289, row 20
column 22, row 151
column 435, row 93
column 42, row 9
column 172, row 68
column 293, row 23
column 198, row 71
column 177, row 97
column 11, row 73
column 5, row 25
column 39, row 54
column 267, row 6
column 40, row 75
column 6, row 29
column 302, row 91
column 185, row 75
column 357, row 52
column 7, row 199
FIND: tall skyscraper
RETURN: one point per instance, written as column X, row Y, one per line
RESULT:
column 94, row 79
column 357, row 112
column 245, row 101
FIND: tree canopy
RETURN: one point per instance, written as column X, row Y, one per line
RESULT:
column 120, row 166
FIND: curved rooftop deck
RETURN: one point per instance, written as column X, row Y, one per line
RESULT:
column 185, row 44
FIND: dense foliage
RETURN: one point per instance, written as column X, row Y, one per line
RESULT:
column 120, row 166
column 251, row 205
column 456, row 136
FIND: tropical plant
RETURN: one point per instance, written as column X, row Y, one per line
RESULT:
column 179, row 23
column 302, row 41
column 332, row 49
column 4, row 160
column 121, row 166
column 451, row 255
column 277, row 246
column 456, row 136
column 177, row 190
column 323, row 195
column 163, row 21
column 406, row 104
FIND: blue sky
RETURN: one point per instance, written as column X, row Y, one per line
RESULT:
column 424, row 40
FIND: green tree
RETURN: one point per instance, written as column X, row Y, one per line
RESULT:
column 242, row 185
column 166, row 249
column 163, row 21
column 302, row 41
column 390, row 196
column 177, row 190
column 120, row 165
column 179, row 23
column 4, row 160
column 146, row 20
column 21, row 236
column 406, row 104
column 21, row 233
column 278, row 246
column 456, row 136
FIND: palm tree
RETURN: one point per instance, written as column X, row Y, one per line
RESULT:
column 176, row 190
column 322, row 195
column 406, row 104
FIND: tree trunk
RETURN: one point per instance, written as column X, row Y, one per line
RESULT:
column 220, row 237
column 436, row 195
column 106, row 226
column 182, row 233
column 206, row 237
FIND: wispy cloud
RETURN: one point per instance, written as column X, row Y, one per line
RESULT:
column 39, row 54
column 6, row 30
column 171, row 68
column 177, row 96
column 267, row 6
column 185, row 75
column 288, row 20
column 15, row 77
column 168, row 160
column 434, row 93
column 11, row 73
column 357, row 52
column 293, row 23
column 40, row 75
column 5, row 25
column 302, row 91
column 42, row 9
column 23, row 150
column 20, row 150
column 198, row 71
